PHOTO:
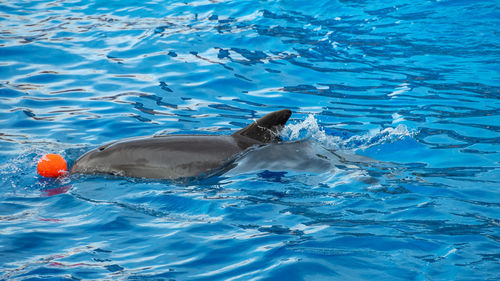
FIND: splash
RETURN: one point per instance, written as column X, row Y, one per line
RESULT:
column 310, row 129
column 378, row 136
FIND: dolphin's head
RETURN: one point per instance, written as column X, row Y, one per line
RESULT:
column 92, row 161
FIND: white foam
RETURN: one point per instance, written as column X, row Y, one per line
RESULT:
column 378, row 136
column 310, row 129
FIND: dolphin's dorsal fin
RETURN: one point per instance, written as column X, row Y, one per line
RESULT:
column 266, row 129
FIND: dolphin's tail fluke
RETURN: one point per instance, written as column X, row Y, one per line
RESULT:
column 267, row 129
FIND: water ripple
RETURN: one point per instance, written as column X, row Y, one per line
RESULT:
column 389, row 168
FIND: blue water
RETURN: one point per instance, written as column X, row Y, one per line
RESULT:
column 390, row 168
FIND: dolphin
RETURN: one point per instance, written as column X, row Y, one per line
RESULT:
column 178, row 156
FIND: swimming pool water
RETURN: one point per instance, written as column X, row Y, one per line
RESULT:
column 389, row 169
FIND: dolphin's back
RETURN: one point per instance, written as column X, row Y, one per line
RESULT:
column 178, row 156
column 166, row 157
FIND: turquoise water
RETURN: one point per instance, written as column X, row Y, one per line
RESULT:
column 389, row 169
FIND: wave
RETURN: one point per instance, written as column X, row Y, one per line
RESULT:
column 309, row 129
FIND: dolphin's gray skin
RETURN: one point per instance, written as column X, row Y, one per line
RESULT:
column 178, row 156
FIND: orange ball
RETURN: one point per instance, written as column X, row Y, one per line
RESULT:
column 51, row 166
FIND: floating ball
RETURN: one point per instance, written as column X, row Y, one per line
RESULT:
column 51, row 166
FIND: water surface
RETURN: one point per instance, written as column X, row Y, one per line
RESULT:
column 389, row 170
